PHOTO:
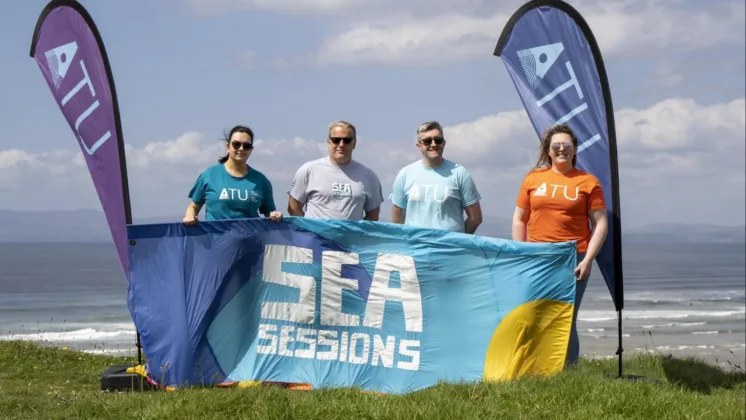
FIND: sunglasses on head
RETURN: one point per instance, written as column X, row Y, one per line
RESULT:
column 346, row 140
column 556, row 146
column 240, row 144
column 429, row 140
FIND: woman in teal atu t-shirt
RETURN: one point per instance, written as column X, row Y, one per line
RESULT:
column 232, row 189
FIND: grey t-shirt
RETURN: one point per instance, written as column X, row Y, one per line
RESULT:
column 331, row 191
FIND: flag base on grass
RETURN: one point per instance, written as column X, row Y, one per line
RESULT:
column 131, row 377
column 126, row 377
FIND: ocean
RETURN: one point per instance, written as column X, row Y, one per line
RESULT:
column 684, row 299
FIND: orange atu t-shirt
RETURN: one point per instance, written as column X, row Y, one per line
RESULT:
column 558, row 205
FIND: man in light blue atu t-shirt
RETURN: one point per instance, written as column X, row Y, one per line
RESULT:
column 435, row 192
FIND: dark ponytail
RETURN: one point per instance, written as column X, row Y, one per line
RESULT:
column 237, row 129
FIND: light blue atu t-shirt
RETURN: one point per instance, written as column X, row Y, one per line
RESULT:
column 229, row 197
column 434, row 197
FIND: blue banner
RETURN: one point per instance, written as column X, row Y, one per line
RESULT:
column 376, row 306
column 557, row 68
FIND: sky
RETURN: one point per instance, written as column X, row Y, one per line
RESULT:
column 186, row 71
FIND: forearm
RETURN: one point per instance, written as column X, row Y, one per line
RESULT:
column 295, row 207
column 598, row 236
column 192, row 210
column 371, row 216
column 518, row 231
column 296, row 212
column 471, row 224
column 397, row 214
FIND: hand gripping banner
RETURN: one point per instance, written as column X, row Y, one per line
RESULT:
column 71, row 56
column 556, row 66
column 329, row 303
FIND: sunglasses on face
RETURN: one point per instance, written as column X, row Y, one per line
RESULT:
column 346, row 140
column 429, row 140
column 556, row 146
column 239, row 144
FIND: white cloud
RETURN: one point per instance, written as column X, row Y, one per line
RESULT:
column 342, row 8
column 680, row 141
column 160, row 173
column 438, row 32
column 679, row 161
column 682, row 126
column 506, row 138
column 404, row 41
column 671, row 135
column 189, row 148
column 671, row 154
column 56, row 166
column 623, row 27
column 293, row 6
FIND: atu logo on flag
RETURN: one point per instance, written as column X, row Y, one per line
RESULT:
column 59, row 62
column 536, row 62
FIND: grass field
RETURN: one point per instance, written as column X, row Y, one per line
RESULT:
column 46, row 383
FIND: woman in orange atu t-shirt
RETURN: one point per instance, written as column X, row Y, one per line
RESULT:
column 556, row 202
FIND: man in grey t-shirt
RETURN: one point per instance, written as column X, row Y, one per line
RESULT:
column 336, row 187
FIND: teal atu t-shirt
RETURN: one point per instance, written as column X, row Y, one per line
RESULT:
column 230, row 197
column 434, row 197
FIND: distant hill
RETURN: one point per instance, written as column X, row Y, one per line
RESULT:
column 686, row 233
column 59, row 226
column 90, row 226
column 496, row 227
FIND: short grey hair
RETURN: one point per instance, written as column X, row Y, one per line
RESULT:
column 343, row 124
column 427, row 126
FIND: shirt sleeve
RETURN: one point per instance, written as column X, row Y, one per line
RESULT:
column 299, row 186
column 375, row 198
column 199, row 190
column 398, row 196
column 596, row 197
column 268, row 204
column 524, row 199
column 469, row 192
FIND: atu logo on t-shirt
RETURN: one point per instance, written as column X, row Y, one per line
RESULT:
column 414, row 193
column 236, row 194
column 542, row 191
